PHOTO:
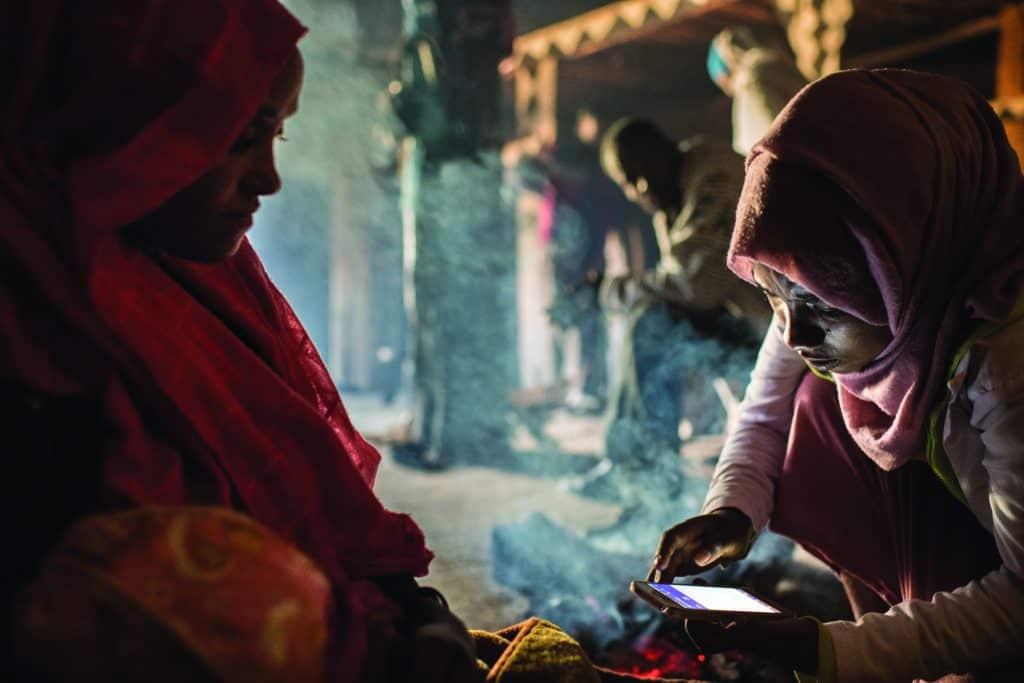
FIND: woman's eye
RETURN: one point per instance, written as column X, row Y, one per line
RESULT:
column 827, row 311
column 244, row 141
column 253, row 134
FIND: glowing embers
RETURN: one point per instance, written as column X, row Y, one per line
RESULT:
column 655, row 657
column 664, row 651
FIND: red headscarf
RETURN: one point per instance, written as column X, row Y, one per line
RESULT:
column 894, row 196
column 213, row 391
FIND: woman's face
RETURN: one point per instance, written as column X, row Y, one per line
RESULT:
column 828, row 339
column 207, row 220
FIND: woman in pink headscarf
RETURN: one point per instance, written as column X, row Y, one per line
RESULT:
column 883, row 428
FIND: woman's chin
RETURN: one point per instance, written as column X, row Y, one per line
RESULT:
column 211, row 252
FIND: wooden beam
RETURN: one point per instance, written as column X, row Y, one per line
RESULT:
column 908, row 51
column 817, row 31
column 695, row 9
column 606, row 26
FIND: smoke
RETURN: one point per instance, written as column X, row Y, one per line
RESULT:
column 678, row 390
column 331, row 239
column 465, row 306
column 290, row 234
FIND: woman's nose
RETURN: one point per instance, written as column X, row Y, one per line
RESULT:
column 262, row 177
column 801, row 332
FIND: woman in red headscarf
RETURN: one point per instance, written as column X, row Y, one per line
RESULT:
column 883, row 428
column 147, row 360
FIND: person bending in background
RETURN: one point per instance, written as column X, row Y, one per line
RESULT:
column 757, row 70
column 882, row 428
column 147, row 358
column 690, row 190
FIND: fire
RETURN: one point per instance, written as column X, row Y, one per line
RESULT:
column 653, row 657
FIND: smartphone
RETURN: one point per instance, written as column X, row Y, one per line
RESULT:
column 717, row 603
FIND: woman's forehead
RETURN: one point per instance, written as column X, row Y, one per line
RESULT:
column 766, row 278
column 777, row 283
column 283, row 97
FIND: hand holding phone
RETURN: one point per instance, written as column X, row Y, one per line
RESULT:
column 792, row 643
column 710, row 603
column 718, row 618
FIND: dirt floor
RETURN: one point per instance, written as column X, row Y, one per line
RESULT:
column 458, row 509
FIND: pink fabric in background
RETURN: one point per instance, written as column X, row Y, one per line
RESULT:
column 546, row 214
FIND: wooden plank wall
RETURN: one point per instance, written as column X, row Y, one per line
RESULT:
column 1010, row 72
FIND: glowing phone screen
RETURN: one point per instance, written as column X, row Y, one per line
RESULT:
column 716, row 598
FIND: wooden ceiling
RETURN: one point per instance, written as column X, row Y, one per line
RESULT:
column 658, row 70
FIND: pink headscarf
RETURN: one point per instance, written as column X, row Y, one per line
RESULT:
column 894, row 196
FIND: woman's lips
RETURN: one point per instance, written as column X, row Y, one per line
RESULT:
column 241, row 221
column 821, row 363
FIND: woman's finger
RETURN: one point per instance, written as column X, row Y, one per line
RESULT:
column 792, row 643
column 436, row 664
column 706, row 556
column 445, row 653
column 667, row 568
column 668, row 547
column 707, row 636
column 714, row 554
column 669, row 543
column 693, row 545
column 683, row 563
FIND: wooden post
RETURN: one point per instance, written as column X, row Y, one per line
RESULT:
column 817, row 31
column 1010, row 71
column 457, row 232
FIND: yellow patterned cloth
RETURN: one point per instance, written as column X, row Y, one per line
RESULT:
column 537, row 651
column 205, row 594
column 174, row 594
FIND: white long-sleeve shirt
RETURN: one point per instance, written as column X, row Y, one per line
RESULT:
column 975, row 627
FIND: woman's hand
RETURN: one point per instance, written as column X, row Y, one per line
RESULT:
column 792, row 643
column 692, row 546
column 444, row 653
column 443, row 650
